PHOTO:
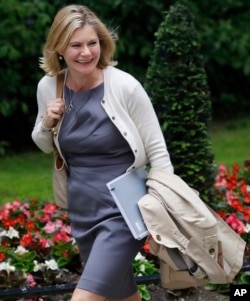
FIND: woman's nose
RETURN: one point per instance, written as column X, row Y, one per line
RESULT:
column 85, row 50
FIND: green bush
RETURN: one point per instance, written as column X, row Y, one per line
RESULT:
column 223, row 35
column 22, row 30
column 225, row 39
column 177, row 84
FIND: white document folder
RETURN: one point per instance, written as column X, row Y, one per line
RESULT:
column 126, row 191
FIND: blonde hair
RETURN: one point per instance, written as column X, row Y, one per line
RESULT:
column 66, row 21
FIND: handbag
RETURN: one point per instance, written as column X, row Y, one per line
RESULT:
column 59, row 176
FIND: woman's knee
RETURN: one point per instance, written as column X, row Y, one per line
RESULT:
column 135, row 297
column 83, row 295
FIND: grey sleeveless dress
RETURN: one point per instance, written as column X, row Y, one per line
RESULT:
column 96, row 152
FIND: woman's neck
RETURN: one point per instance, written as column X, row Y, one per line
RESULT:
column 78, row 82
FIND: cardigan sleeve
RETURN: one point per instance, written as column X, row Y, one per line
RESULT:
column 143, row 115
column 130, row 109
column 46, row 91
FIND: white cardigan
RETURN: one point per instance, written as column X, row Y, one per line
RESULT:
column 128, row 107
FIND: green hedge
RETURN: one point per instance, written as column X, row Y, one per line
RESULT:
column 223, row 34
column 177, row 84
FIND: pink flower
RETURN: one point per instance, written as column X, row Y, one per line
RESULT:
column 30, row 281
column 67, row 229
column 49, row 227
column 236, row 224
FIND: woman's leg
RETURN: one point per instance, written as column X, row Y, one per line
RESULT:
column 135, row 297
column 82, row 295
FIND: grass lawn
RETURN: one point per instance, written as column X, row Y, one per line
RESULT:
column 231, row 141
column 28, row 175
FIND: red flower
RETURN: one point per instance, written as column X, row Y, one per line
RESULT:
column 247, row 198
column 21, row 219
column 146, row 247
column 26, row 240
column 232, row 200
column 4, row 244
column 30, row 226
column 221, row 214
column 61, row 236
column 2, row 256
column 44, row 243
column 65, row 254
column 246, row 214
column 9, row 223
column 49, row 209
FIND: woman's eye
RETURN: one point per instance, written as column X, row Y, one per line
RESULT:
column 92, row 43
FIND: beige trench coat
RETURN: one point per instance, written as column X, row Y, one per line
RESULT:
column 194, row 245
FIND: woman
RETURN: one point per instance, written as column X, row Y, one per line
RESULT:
column 107, row 127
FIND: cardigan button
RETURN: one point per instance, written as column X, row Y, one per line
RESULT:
column 212, row 251
column 113, row 117
column 54, row 130
column 158, row 237
column 135, row 150
column 125, row 133
column 103, row 101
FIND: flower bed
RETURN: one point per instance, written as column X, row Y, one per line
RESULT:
column 232, row 199
column 37, row 249
column 36, row 245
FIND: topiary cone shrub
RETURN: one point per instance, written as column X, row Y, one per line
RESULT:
column 177, row 84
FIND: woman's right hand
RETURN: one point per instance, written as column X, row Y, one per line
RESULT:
column 55, row 111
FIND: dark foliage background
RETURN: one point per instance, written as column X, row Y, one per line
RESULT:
column 177, row 84
column 223, row 32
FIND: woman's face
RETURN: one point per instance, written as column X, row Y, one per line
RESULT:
column 83, row 51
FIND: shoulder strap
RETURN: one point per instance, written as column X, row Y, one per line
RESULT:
column 59, row 93
column 59, row 85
